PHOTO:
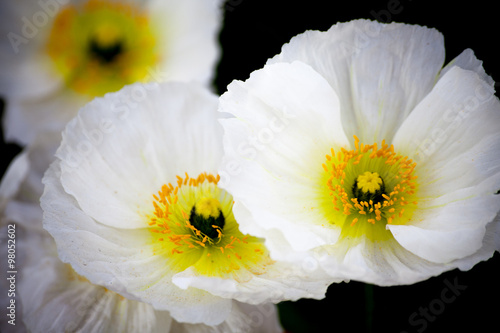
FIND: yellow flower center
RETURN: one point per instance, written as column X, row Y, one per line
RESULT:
column 369, row 187
column 102, row 45
column 193, row 226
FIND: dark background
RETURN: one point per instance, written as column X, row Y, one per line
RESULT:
column 255, row 30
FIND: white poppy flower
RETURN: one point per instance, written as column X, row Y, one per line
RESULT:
column 52, row 297
column 354, row 145
column 60, row 55
column 133, row 204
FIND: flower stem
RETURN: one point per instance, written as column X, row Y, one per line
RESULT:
column 369, row 307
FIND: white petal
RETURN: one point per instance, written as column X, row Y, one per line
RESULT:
column 281, row 281
column 452, row 230
column 262, row 318
column 491, row 244
column 454, row 137
column 460, row 111
column 379, row 71
column 438, row 246
column 382, row 263
column 287, row 119
column 74, row 231
column 122, row 148
column 467, row 60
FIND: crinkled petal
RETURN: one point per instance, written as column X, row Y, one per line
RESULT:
column 379, row 71
column 382, row 263
column 453, row 136
column 287, row 118
column 467, row 60
column 271, row 286
column 129, row 137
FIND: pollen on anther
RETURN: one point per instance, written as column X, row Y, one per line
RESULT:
column 344, row 165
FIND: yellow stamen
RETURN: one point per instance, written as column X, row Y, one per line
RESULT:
column 177, row 229
column 379, row 193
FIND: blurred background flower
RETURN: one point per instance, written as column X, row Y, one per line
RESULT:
column 57, row 56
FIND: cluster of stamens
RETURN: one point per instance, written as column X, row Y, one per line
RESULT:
column 192, row 229
column 374, row 183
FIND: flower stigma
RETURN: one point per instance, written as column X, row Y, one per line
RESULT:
column 369, row 187
column 369, row 182
column 193, row 226
column 206, row 216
